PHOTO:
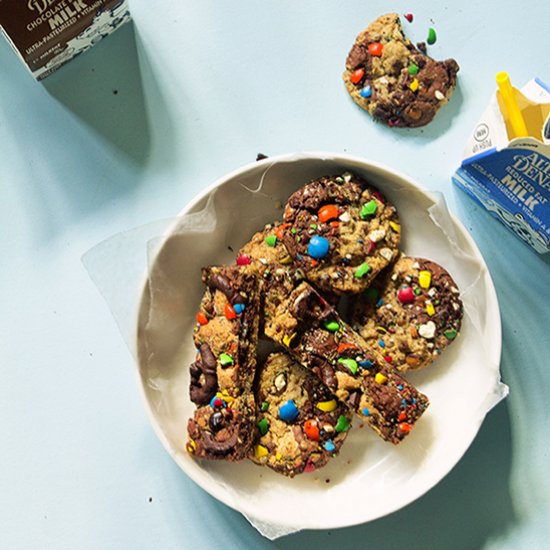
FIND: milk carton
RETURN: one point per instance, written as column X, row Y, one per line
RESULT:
column 48, row 33
column 510, row 176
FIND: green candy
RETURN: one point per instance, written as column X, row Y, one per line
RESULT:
column 349, row 363
column 332, row 326
column 271, row 240
column 226, row 359
column 342, row 425
column 369, row 209
column 362, row 270
column 418, row 291
column 263, row 426
column 413, row 69
column 313, row 226
column 294, row 231
column 432, row 37
column 265, row 406
column 450, row 334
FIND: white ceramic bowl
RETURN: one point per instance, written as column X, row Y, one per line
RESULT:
column 370, row 478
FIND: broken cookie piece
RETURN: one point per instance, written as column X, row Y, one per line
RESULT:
column 394, row 81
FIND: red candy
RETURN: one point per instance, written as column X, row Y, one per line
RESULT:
column 371, row 247
column 328, row 212
column 388, row 358
column 404, row 427
column 405, row 295
column 375, row 49
column 357, row 75
column 402, row 416
column 230, row 313
column 312, row 430
column 310, row 467
column 202, row 319
column 243, row 259
column 409, row 17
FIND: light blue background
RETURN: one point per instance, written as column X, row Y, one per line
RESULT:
column 202, row 87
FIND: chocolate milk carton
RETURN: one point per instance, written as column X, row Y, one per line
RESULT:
column 510, row 176
column 48, row 33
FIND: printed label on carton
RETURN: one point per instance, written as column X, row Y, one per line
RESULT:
column 48, row 33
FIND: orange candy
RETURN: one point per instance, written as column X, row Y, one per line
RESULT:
column 404, row 427
column 328, row 212
column 229, row 311
column 375, row 49
column 344, row 346
column 281, row 229
column 357, row 75
column 312, row 430
column 202, row 319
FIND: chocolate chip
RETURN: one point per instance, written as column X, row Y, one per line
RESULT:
column 216, row 421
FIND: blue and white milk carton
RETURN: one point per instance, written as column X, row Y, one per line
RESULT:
column 510, row 176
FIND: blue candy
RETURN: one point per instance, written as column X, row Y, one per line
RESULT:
column 318, row 247
column 329, row 446
column 366, row 363
column 381, row 343
column 239, row 308
column 366, row 91
column 288, row 411
column 366, row 411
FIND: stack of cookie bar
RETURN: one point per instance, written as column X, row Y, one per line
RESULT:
column 291, row 410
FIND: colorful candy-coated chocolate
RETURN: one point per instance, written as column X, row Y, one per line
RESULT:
column 430, row 310
column 369, row 209
column 318, row 247
column 264, row 406
column 287, row 338
column 260, row 451
column 425, row 279
column 327, row 406
column 243, row 259
column 380, row 378
column 409, row 17
column 414, row 85
column 226, row 359
column 375, row 49
column 263, row 426
column 365, row 411
column 342, row 425
column 405, row 295
column 450, row 334
column 239, row 308
column 432, row 36
column 328, row 212
column 229, row 312
column 271, row 240
column 309, row 468
column 312, row 429
column 349, row 363
column 413, row 69
column 332, row 326
column 329, row 446
column 404, row 427
column 202, row 319
column 366, row 91
column 288, row 412
column 361, row 270
column 357, row 75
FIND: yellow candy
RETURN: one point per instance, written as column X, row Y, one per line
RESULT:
column 287, row 260
column 395, row 226
column 191, row 446
column 327, row 406
column 225, row 396
column 414, row 85
column 430, row 310
column 279, row 457
column 425, row 279
column 287, row 339
column 380, row 378
column 260, row 451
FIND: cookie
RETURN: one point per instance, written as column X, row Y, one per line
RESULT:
column 314, row 334
column 394, row 81
column 341, row 232
column 410, row 314
column 221, row 378
column 301, row 425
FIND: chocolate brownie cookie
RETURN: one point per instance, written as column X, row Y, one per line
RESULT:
column 314, row 334
column 341, row 232
column 222, row 375
column 410, row 314
column 301, row 425
column 394, row 81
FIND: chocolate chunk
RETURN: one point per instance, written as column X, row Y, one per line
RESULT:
column 205, row 367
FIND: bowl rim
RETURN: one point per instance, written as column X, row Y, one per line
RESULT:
column 492, row 315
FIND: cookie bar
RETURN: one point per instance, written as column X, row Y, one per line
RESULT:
column 410, row 314
column 300, row 423
column 314, row 334
column 222, row 375
column 341, row 232
column 394, row 81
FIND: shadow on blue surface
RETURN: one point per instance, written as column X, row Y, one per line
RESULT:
column 104, row 87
